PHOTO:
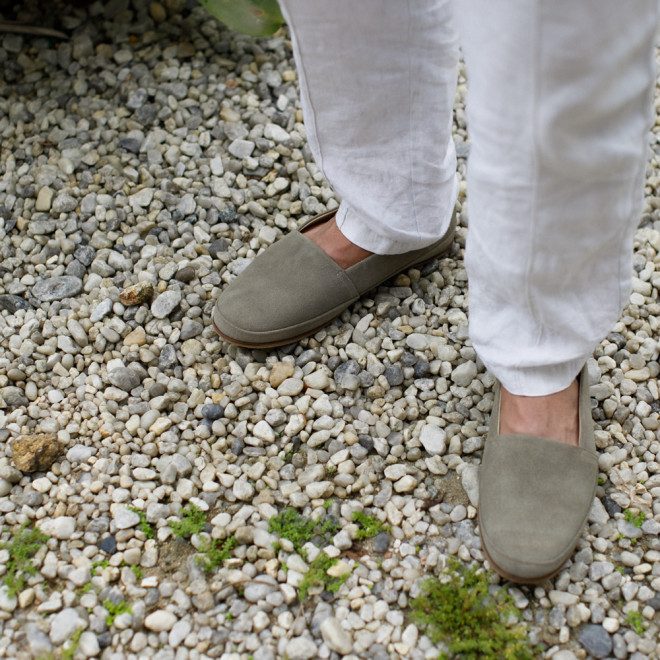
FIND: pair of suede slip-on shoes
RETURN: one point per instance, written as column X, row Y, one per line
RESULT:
column 535, row 493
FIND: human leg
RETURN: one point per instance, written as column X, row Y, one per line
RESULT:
column 558, row 114
column 559, row 109
column 377, row 82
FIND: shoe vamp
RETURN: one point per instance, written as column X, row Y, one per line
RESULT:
column 292, row 282
column 535, row 496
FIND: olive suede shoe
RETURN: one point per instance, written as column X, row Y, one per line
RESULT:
column 293, row 289
column 535, row 495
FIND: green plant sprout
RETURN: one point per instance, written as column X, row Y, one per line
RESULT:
column 317, row 575
column 192, row 522
column 25, row 543
column 214, row 553
column 289, row 524
column 115, row 610
column 459, row 611
column 636, row 519
column 145, row 527
column 368, row 526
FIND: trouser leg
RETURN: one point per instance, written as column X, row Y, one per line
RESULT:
column 377, row 82
column 558, row 108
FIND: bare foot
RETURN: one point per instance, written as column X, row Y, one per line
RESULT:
column 554, row 416
column 328, row 237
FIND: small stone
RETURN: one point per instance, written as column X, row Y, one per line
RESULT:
column 64, row 203
column 464, row 373
column 187, row 205
column 317, row 380
column 85, row 254
column 11, row 303
column 280, row 372
column 191, row 329
column 157, row 12
column 57, row 288
column 263, row 431
column 434, row 439
column 142, row 198
column 301, row 648
column 275, row 132
column 241, row 148
column 290, row 387
column 13, row 396
column 80, row 454
column 160, row 620
column 417, row 341
column 405, row 484
column 381, row 542
column 256, row 591
column 125, row 519
column 137, row 337
column 137, row 294
column 393, row 374
column 5, row 488
column 60, row 528
column 35, row 453
column 167, row 358
column 44, row 199
column 89, row 644
column 7, row 603
column 243, row 490
column 180, row 630
column 337, row 639
column 342, row 540
column 186, row 274
column 563, row 598
column 596, row 641
column 37, row 640
column 217, row 168
column 212, row 411
column 165, row 304
column 470, row 481
column 108, row 545
column 101, row 310
column 124, row 378
column 218, row 247
column 64, row 624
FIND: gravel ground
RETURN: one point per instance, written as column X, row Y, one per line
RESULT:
column 144, row 164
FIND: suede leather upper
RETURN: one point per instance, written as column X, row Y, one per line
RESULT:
column 294, row 288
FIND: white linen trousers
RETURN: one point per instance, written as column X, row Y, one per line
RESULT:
column 559, row 107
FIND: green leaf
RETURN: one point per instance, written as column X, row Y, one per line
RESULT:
column 258, row 18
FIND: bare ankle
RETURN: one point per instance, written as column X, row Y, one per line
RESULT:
column 330, row 239
column 554, row 416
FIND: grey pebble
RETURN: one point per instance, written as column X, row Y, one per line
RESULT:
column 394, row 375
column 101, row 310
column 124, row 378
column 11, row 303
column 167, row 358
column 85, row 254
column 381, row 542
column 165, row 304
column 350, row 367
column 57, row 288
column 191, row 329
column 596, row 641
